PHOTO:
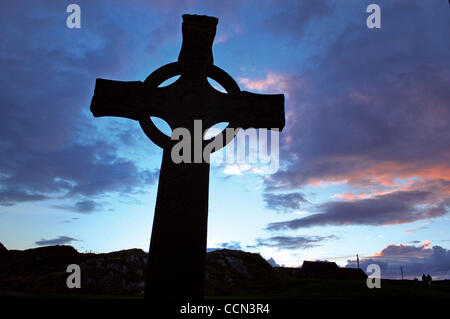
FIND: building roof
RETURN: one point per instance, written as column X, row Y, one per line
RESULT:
column 330, row 269
column 319, row 267
column 351, row 273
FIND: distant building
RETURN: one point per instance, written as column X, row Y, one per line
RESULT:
column 320, row 268
column 351, row 273
column 324, row 269
column 330, row 269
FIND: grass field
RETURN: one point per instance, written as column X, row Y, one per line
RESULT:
column 297, row 288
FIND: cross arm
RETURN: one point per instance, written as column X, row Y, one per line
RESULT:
column 131, row 100
column 116, row 98
column 263, row 110
column 247, row 109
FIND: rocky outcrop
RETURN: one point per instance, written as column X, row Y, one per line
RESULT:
column 119, row 272
column 3, row 249
column 43, row 270
column 272, row 262
column 232, row 271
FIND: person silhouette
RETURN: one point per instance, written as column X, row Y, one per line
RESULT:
column 424, row 278
column 429, row 279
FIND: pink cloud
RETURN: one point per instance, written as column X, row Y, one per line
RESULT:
column 406, row 250
column 414, row 260
column 275, row 83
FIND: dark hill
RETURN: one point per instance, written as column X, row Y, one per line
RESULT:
column 43, row 270
column 3, row 249
column 233, row 271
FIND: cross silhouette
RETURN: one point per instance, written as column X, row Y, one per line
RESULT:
column 176, row 264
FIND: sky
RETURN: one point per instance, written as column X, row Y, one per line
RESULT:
column 364, row 158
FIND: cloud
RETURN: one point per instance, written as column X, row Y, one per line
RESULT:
column 48, row 72
column 415, row 261
column 411, row 231
column 234, row 245
column 70, row 221
column 284, row 202
column 294, row 16
column 273, row 83
column 373, row 116
column 61, row 240
column 388, row 209
column 291, row 242
column 9, row 196
column 405, row 250
column 240, row 169
column 74, row 170
column 84, row 207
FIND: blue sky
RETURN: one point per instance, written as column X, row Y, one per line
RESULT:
column 364, row 156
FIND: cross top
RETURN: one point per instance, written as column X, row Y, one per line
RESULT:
column 191, row 97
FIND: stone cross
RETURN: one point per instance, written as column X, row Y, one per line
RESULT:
column 176, row 264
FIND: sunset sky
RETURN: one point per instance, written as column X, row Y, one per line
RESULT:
column 364, row 157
